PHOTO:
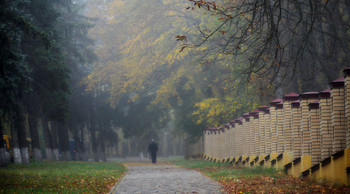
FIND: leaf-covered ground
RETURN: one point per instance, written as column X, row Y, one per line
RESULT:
column 258, row 180
column 61, row 177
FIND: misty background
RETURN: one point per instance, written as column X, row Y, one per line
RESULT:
column 104, row 77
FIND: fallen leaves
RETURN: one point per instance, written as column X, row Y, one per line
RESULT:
column 247, row 180
column 61, row 177
column 283, row 184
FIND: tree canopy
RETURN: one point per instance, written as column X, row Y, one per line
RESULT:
column 215, row 60
column 139, row 58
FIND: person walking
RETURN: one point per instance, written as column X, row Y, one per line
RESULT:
column 152, row 149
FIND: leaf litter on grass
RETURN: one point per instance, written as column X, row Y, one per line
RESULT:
column 60, row 177
column 259, row 180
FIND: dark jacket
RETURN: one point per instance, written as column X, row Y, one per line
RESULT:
column 153, row 147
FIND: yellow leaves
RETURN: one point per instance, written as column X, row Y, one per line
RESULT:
column 166, row 90
column 134, row 55
column 170, row 59
column 160, row 39
column 212, row 113
column 199, row 121
column 134, row 98
column 202, row 105
column 196, row 112
column 89, row 76
column 207, row 109
column 216, row 110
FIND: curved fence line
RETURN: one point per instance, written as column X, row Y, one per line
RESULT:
column 306, row 134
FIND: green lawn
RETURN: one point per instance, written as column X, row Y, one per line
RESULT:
column 62, row 177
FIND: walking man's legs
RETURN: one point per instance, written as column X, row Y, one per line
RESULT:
column 154, row 158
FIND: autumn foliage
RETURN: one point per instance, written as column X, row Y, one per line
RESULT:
column 234, row 55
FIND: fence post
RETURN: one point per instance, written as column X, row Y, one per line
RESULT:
column 326, row 123
column 338, row 114
column 273, row 129
column 347, row 104
column 314, row 116
column 296, row 134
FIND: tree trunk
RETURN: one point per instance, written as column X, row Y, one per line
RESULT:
column 63, row 137
column 74, row 129
column 4, row 160
column 79, row 143
column 22, row 136
column 55, row 147
column 103, row 148
column 82, row 145
column 93, row 139
column 17, row 158
column 33, row 127
column 47, row 139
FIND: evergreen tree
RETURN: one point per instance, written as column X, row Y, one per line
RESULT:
column 14, row 72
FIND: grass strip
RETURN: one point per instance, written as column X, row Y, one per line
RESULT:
column 62, row 177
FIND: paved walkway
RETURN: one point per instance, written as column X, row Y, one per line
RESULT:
column 142, row 179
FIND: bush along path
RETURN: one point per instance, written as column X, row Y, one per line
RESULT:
column 60, row 177
column 258, row 180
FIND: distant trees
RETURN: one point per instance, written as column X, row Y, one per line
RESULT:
column 124, row 69
column 235, row 55
column 145, row 75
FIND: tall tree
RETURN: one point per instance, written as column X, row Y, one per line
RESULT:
column 49, row 74
column 14, row 74
column 45, row 64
